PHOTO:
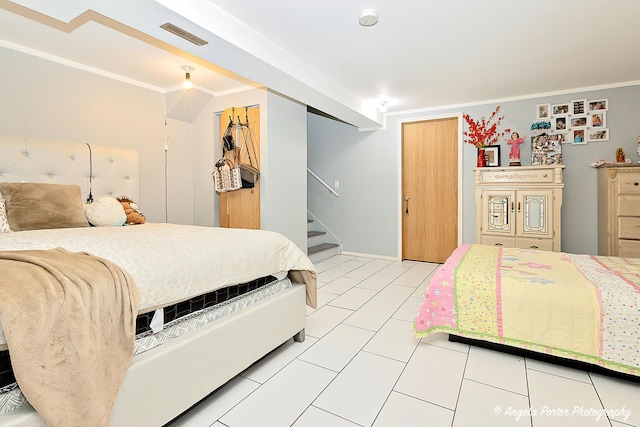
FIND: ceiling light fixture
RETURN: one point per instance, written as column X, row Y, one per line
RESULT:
column 368, row 18
column 187, row 78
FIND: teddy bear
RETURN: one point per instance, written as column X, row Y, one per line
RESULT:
column 134, row 216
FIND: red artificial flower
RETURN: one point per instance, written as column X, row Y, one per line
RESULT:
column 484, row 132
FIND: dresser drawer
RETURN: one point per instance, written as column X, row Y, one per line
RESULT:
column 628, row 228
column 629, row 205
column 629, row 248
column 629, row 183
column 507, row 242
column 542, row 244
column 517, row 177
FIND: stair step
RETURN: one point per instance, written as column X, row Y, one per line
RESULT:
column 315, row 233
column 321, row 247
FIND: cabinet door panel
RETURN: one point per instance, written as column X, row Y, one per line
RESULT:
column 534, row 213
column 498, row 212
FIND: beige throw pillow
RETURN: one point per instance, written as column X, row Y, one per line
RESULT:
column 35, row 206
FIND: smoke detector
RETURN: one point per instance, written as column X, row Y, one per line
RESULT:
column 368, row 18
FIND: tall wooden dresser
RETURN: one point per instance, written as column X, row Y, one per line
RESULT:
column 619, row 211
column 519, row 206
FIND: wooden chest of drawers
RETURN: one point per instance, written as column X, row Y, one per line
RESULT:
column 619, row 211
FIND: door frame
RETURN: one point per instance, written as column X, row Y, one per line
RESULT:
column 401, row 122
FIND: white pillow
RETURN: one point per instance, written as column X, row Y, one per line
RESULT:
column 106, row 211
column 4, row 223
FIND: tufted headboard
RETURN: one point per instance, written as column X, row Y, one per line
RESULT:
column 115, row 171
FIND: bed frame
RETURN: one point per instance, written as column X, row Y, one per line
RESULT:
column 163, row 382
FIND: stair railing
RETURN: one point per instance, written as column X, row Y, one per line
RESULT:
column 321, row 181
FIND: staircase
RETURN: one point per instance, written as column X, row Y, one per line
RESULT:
column 320, row 244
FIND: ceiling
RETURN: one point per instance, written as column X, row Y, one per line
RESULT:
column 420, row 55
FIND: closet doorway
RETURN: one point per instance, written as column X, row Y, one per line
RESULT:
column 430, row 189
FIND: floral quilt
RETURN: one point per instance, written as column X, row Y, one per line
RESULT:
column 580, row 307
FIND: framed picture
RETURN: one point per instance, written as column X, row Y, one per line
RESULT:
column 560, row 109
column 546, row 150
column 578, row 136
column 597, row 119
column 492, row 154
column 543, row 111
column 563, row 137
column 598, row 134
column 559, row 123
column 598, row 104
column 558, row 138
column 578, row 122
column 579, row 106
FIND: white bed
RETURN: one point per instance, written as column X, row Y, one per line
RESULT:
column 199, row 361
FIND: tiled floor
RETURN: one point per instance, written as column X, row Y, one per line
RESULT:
column 361, row 366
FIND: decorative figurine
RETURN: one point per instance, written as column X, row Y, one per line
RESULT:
column 514, row 154
column 638, row 145
column 620, row 155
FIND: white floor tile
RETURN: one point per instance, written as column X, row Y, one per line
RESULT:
column 442, row 340
column 337, row 348
column 409, row 310
column 619, row 396
column 406, row 411
column 395, row 269
column 338, row 259
column 282, row 399
column 562, row 371
column 217, row 404
column 353, row 299
column 433, row 374
column 375, row 282
column 368, row 269
column 340, row 285
column 324, row 319
column 394, row 340
column 483, row 405
column 315, row 417
column 415, row 275
column 497, row 369
column 358, row 395
column 270, row 364
column 339, row 270
column 323, row 266
column 564, row 396
column 379, row 309
column 323, row 299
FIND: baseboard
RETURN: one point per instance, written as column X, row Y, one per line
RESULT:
column 390, row 258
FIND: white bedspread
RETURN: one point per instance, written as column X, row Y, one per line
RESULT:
column 170, row 262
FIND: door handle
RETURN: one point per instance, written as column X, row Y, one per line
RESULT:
column 406, row 205
column 512, row 207
column 518, row 206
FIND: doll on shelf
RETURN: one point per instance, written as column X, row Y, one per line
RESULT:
column 514, row 154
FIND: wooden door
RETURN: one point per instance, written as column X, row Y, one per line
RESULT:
column 430, row 189
column 241, row 208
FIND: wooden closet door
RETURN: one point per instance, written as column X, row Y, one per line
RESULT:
column 241, row 208
column 430, row 189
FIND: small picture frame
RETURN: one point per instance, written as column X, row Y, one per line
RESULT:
column 560, row 109
column 543, row 111
column 579, row 106
column 492, row 155
column 578, row 136
column 597, row 119
column 563, row 137
column 546, row 150
column 578, row 122
column 598, row 134
column 559, row 124
column 598, row 105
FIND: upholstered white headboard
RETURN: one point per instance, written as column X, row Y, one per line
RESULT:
column 114, row 171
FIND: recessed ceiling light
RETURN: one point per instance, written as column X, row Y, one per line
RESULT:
column 368, row 18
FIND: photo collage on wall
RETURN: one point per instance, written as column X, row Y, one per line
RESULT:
column 577, row 122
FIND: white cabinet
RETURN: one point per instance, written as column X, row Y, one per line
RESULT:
column 619, row 211
column 519, row 206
